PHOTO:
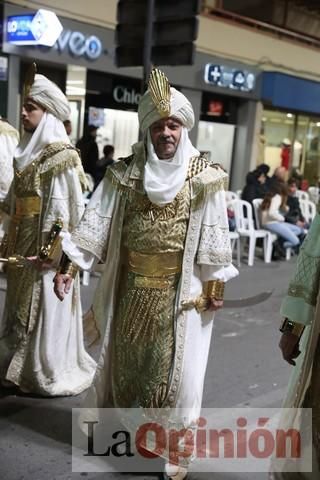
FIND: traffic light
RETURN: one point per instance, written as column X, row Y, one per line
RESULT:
column 174, row 29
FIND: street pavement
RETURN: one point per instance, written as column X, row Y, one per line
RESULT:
column 245, row 368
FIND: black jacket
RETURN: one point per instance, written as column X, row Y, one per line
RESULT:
column 294, row 214
column 253, row 189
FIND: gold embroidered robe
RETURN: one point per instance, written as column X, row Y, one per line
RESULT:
column 41, row 344
column 206, row 255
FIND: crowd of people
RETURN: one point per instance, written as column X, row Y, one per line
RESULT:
column 280, row 210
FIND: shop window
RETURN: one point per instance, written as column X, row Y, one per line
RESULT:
column 293, row 141
column 277, row 134
column 120, row 129
column 310, row 138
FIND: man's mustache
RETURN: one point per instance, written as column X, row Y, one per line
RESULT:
column 165, row 142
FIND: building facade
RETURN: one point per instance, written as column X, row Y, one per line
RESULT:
column 224, row 94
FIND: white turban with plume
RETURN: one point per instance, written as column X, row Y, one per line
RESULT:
column 163, row 179
column 180, row 108
column 50, row 128
column 49, row 96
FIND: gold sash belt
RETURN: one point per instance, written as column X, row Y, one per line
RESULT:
column 154, row 265
column 27, row 206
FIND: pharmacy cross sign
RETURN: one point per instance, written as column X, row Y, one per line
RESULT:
column 215, row 74
column 229, row 77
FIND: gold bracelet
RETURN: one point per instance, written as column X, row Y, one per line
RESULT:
column 67, row 267
column 72, row 270
column 214, row 289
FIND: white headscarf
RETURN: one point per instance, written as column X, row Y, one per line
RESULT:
column 50, row 129
column 180, row 107
column 163, row 179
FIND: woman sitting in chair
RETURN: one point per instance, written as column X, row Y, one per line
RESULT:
column 273, row 210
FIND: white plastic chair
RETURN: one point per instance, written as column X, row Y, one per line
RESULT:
column 314, row 194
column 256, row 202
column 235, row 242
column 308, row 210
column 245, row 228
column 231, row 196
column 239, row 193
column 302, row 195
column 256, row 207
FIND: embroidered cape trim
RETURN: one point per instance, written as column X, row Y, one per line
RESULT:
column 205, row 177
column 54, row 159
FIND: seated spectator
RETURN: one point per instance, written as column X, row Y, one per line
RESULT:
column 265, row 169
column 278, row 178
column 294, row 215
column 231, row 220
column 273, row 210
column 298, row 177
column 255, row 185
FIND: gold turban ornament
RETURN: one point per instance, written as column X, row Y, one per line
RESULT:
column 160, row 92
column 161, row 101
column 29, row 80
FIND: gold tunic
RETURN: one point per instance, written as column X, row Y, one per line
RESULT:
column 23, row 240
column 143, row 347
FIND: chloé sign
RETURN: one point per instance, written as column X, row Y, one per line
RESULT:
column 123, row 94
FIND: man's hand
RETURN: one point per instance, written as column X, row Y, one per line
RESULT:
column 62, row 285
column 38, row 264
column 289, row 345
column 215, row 305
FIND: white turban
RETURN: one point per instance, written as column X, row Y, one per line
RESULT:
column 49, row 96
column 180, row 107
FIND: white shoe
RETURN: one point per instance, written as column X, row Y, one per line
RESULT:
column 174, row 472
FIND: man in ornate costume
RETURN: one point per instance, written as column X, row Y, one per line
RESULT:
column 159, row 222
column 9, row 138
column 41, row 340
column 300, row 342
